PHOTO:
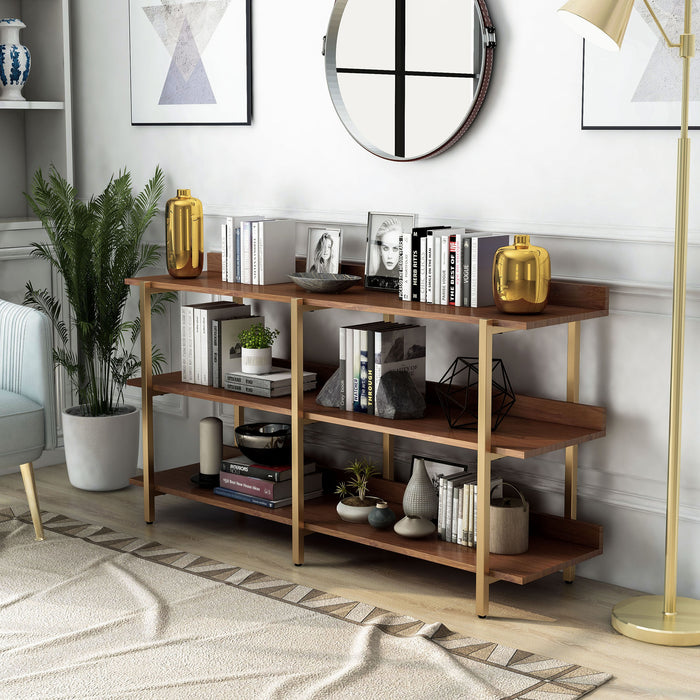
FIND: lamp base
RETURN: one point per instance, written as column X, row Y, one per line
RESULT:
column 643, row 618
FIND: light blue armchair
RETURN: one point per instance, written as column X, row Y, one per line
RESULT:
column 27, row 395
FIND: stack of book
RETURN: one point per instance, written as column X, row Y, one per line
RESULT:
column 278, row 382
column 449, row 266
column 196, row 342
column 258, row 251
column 457, row 493
column 368, row 351
column 244, row 480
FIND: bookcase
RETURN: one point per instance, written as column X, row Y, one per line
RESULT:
column 534, row 426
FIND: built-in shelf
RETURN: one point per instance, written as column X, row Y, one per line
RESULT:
column 30, row 104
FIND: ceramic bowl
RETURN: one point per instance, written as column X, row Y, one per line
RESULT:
column 266, row 443
column 325, row 282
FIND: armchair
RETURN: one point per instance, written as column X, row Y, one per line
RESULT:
column 27, row 395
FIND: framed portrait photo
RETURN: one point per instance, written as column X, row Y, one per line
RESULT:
column 382, row 264
column 323, row 250
column 190, row 62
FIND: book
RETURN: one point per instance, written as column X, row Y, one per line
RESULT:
column 230, row 251
column 459, row 235
column 254, row 253
column 277, row 378
column 466, row 268
column 341, row 363
column 241, row 464
column 186, row 342
column 266, row 392
column 276, row 250
column 272, row 490
column 442, row 496
column 437, row 248
column 246, row 243
column 483, row 248
column 224, row 253
column 444, row 268
column 205, row 314
column 227, row 355
column 265, row 502
column 401, row 349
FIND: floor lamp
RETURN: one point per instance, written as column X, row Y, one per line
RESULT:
column 657, row 619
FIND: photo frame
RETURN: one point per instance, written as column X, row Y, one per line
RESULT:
column 382, row 265
column 190, row 62
column 437, row 468
column 639, row 87
column 323, row 249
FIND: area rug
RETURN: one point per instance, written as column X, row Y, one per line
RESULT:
column 92, row 613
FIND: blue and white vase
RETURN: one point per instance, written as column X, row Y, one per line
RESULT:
column 15, row 60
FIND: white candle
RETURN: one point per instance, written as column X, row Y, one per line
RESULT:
column 211, row 439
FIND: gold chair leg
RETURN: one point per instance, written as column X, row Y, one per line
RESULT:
column 30, row 489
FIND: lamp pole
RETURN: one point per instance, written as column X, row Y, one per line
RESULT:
column 658, row 619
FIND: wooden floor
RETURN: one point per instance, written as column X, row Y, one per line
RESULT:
column 568, row 622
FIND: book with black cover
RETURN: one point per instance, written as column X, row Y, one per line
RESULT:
column 243, row 465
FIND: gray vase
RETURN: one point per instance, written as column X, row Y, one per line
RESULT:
column 419, row 498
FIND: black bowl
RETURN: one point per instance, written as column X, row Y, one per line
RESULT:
column 266, row 443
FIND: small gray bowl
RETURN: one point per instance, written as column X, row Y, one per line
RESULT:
column 324, row 282
column 265, row 443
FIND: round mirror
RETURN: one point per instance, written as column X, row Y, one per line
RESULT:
column 408, row 77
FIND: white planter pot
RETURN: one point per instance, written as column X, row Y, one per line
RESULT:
column 102, row 451
column 356, row 514
column 256, row 360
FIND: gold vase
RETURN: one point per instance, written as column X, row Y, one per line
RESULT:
column 184, row 235
column 521, row 274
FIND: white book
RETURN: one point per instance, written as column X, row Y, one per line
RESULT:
column 405, row 269
column 228, row 346
column 246, row 242
column 224, row 254
column 459, row 267
column 230, row 250
column 423, row 266
column 254, row 257
column 481, row 273
column 429, row 267
column 437, row 248
column 186, row 342
column 349, row 368
column 445, row 269
column 276, row 250
column 341, row 363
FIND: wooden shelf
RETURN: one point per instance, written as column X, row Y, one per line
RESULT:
column 555, row 543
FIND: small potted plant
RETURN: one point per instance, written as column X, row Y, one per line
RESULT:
column 256, row 348
column 355, row 505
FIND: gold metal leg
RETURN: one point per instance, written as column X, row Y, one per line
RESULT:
column 149, row 505
column 388, row 457
column 30, row 489
column 484, row 468
column 297, row 328
column 238, row 416
column 573, row 373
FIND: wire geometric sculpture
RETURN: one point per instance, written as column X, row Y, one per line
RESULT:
column 458, row 393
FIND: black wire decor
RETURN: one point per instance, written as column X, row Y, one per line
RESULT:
column 458, row 393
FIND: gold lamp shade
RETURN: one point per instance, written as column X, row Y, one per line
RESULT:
column 602, row 22
column 184, row 235
column 521, row 275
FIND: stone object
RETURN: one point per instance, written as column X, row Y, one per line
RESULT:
column 398, row 398
column 330, row 395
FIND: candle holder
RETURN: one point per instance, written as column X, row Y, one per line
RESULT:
column 211, row 440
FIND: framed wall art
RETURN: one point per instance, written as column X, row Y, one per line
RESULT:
column 323, row 250
column 382, row 269
column 639, row 87
column 190, row 62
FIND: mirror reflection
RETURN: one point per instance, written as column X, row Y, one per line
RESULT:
column 407, row 77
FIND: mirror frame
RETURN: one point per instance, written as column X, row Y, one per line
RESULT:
column 329, row 51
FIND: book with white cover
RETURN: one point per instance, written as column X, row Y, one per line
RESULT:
column 481, row 282
column 228, row 349
column 278, row 377
column 276, row 250
column 246, row 243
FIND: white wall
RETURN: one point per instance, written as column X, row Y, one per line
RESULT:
column 602, row 202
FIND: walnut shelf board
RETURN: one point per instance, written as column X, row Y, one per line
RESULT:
column 533, row 427
column 548, row 551
column 568, row 301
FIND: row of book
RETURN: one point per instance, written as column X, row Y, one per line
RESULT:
column 457, row 494
column 243, row 480
column 368, row 351
column 447, row 265
column 258, row 251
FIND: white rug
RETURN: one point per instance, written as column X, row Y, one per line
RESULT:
column 91, row 613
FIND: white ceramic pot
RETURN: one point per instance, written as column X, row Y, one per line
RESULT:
column 101, row 451
column 256, row 360
column 356, row 514
column 15, row 60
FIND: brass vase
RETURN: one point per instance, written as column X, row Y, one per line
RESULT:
column 521, row 275
column 184, row 235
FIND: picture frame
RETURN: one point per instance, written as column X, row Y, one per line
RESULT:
column 437, row 468
column 639, row 87
column 382, row 265
column 324, row 249
column 190, row 63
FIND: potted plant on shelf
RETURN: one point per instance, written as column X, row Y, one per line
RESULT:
column 355, row 505
column 94, row 246
column 256, row 348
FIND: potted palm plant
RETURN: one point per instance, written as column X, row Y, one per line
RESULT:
column 256, row 348
column 94, row 246
column 355, row 504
